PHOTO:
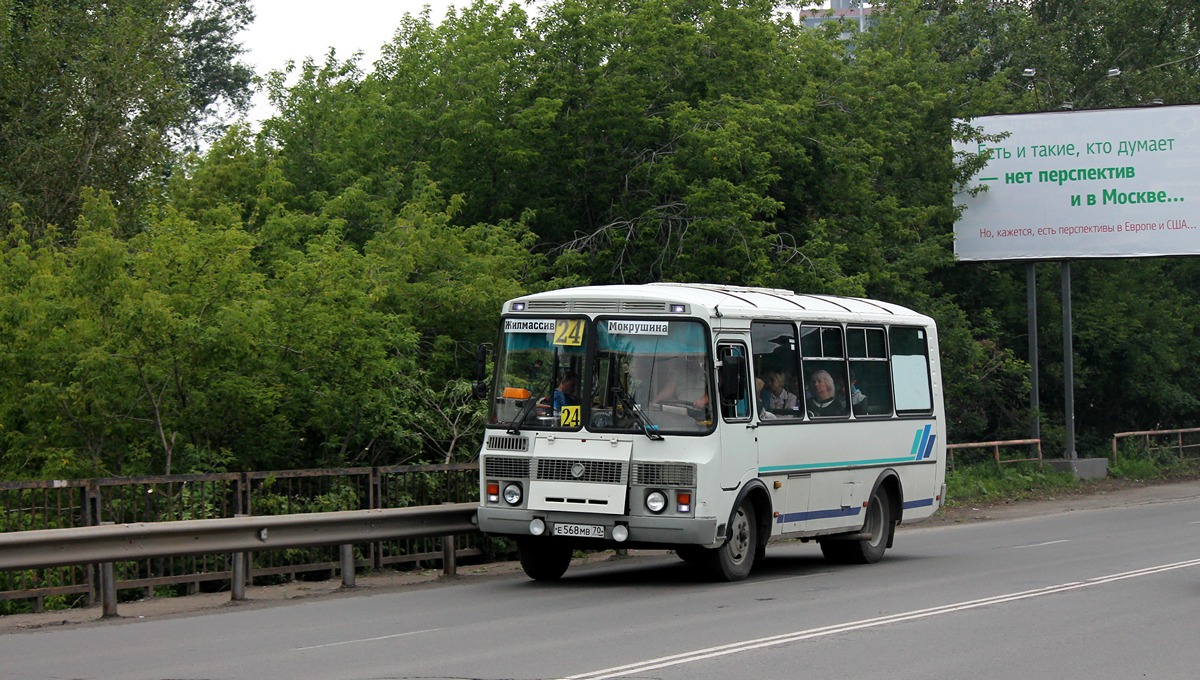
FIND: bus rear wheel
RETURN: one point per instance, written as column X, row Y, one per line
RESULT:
column 543, row 559
column 733, row 560
column 876, row 534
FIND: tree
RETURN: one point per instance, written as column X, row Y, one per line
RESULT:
column 96, row 94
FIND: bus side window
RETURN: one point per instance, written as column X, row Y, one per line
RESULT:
column 777, row 386
column 739, row 407
column 870, row 387
column 910, row 370
column 825, row 372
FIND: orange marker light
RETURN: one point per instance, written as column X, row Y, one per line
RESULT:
column 684, row 501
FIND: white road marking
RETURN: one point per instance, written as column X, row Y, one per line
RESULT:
column 374, row 639
column 747, row 645
column 1038, row 545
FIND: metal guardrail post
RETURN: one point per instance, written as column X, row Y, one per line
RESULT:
column 449, row 556
column 347, row 565
column 237, row 582
column 108, row 588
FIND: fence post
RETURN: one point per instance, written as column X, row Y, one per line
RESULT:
column 376, row 548
column 89, row 571
column 347, row 566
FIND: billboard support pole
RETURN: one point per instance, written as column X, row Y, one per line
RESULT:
column 1068, row 362
column 1035, row 426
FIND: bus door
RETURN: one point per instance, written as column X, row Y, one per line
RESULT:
column 739, row 446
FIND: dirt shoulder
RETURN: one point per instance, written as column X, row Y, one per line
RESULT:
column 1105, row 493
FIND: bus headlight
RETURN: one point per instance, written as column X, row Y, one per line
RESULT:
column 656, row 501
column 512, row 494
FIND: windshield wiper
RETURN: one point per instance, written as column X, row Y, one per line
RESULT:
column 648, row 426
column 514, row 427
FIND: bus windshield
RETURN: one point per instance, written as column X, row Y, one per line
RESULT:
column 539, row 369
column 653, row 376
column 644, row 376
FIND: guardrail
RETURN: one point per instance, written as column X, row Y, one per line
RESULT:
column 1146, row 436
column 995, row 447
column 59, row 504
column 107, row 543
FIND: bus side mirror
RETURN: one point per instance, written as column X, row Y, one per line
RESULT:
column 479, row 388
column 732, row 377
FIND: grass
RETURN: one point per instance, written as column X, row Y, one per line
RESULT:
column 989, row 482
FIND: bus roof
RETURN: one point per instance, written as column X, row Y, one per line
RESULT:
column 710, row 301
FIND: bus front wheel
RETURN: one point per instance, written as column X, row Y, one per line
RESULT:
column 876, row 533
column 733, row 560
column 543, row 559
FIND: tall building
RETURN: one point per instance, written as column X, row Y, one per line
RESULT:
column 852, row 10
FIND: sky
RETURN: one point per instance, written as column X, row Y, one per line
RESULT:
column 295, row 29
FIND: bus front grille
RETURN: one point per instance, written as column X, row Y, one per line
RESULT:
column 502, row 443
column 506, row 467
column 571, row 470
column 664, row 474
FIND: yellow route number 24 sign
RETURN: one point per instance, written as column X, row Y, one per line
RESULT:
column 569, row 332
column 569, row 416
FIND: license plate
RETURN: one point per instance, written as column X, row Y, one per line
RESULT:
column 583, row 530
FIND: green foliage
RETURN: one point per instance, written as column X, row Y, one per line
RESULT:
column 94, row 94
column 987, row 482
column 311, row 295
column 1138, row 462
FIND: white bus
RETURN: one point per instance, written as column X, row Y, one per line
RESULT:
column 708, row 420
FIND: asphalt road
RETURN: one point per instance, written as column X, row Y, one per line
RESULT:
column 1111, row 592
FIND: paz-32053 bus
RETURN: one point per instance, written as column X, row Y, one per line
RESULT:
column 708, row 420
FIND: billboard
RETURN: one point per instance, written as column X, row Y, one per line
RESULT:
column 1081, row 184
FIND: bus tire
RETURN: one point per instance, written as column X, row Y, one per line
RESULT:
column 878, row 526
column 543, row 560
column 734, row 559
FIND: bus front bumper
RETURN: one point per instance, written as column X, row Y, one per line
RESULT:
column 664, row 531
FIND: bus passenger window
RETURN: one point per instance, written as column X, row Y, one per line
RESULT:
column 910, row 370
column 776, row 381
column 825, row 376
column 870, row 388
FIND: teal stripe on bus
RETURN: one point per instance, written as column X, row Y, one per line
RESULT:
column 843, row 463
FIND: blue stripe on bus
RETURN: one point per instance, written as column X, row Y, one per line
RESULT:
column 841, row 512
column 921, row 442
column 928, row 447
column 816, row 514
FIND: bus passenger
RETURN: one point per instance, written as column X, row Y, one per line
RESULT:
column 776, row 398
column 685, row 382
column 858, row 400
column 565, row 394
column 824, row 400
